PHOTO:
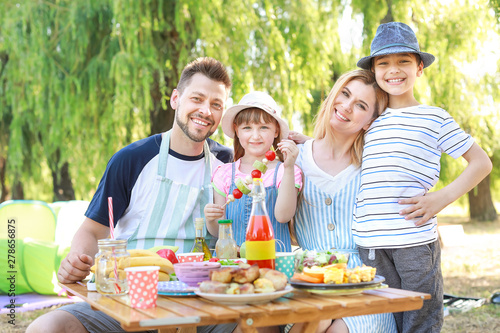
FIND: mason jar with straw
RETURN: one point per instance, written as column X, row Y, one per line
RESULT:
column 110, row 279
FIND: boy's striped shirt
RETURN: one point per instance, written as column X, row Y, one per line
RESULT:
column 401, row 159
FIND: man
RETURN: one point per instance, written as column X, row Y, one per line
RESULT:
column 159, row 185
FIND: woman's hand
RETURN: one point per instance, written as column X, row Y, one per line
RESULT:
column 297, row 137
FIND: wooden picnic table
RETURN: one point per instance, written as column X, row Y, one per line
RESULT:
column 184, row 314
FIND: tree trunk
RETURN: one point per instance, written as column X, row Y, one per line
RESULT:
column 481, row 206
column 160, row 119
column 388, row 16
column 62, row 185
column 167, row 43
column 3, row 188
column 17, row 190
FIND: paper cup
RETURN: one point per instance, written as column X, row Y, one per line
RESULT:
column 190, row 257
column 143, row 286
column 285, row 263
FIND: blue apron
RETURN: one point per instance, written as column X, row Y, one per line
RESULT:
column 239, row 211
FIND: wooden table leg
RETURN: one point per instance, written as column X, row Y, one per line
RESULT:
column 175, row 330
column 167, row 330
column 186, row 330
column 245, row 326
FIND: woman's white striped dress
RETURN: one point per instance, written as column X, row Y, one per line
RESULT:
column 324, row 220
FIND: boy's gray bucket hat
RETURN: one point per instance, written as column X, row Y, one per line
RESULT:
column 394, row 37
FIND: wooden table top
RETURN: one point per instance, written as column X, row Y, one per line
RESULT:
column 186, row 313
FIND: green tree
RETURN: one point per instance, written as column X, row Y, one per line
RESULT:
column 84, row 78
column 81, row 79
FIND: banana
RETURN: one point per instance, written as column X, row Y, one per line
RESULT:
column 163, row 277
column 165, row 264
column 121, row 274
column 133, row 254
column 109, row 265
column 142, row 253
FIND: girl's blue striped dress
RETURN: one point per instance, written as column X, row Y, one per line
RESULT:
column 324, row 221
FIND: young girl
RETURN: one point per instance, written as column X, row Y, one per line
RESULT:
column 255, row 126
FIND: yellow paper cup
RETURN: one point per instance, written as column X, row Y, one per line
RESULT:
column 285, row 263
column 143, row 286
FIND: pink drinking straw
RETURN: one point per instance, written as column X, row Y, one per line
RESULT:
column 112, row 236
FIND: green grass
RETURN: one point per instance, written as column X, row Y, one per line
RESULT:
column 23, row 319
column 473, row 270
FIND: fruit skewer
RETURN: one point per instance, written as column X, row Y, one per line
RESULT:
column 243, row 185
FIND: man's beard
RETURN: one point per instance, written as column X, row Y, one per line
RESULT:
column 193, row 135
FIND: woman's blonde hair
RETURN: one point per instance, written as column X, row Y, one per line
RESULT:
column 322, row 128
column 254, row 116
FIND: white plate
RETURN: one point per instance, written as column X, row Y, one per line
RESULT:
column 244, row 298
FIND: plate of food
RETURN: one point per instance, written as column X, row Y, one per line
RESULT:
column 326, row 272
column 240, row 299
column 244, row 284
column 300, row 284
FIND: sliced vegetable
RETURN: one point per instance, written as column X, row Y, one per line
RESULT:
column 306, row 278
column 230, row 262
column 315, row 272
column 168, row 254
column 339, row 265
column 259, row 166
column 240, row 184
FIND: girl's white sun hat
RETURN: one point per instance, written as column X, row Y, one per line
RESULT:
column 255, row 99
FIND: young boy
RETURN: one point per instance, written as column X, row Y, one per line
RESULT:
column 395, row 222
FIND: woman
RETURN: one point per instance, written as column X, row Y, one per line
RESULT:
column 331, row 166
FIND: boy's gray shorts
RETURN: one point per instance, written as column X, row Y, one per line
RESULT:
column 98, row 322
column 416, row 268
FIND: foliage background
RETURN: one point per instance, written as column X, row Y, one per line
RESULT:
column 80, row 79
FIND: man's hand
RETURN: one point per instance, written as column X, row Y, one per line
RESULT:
column 75, row 267
column 423, row 207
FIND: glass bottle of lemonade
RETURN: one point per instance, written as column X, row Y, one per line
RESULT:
column 260, row 244
column 200, row 245
column 226, row 247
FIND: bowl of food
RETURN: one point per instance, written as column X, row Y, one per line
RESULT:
column 193, row 273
